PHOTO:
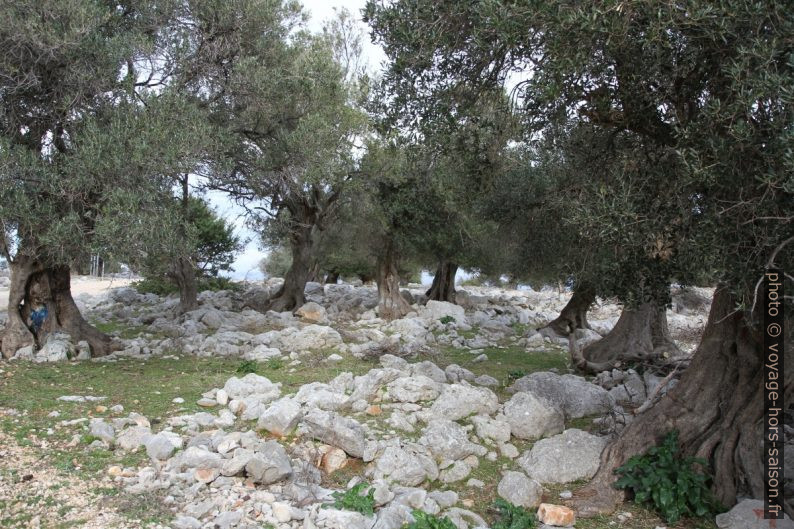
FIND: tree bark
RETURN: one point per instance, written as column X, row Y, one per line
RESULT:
column 184, row 274
column 31, row 286
column 443, row 287
column 391, row 304
column 291, row 294
column 717, row 408
column 68, row 317
column 574, row 315
column 641, row 334
column 17, row 334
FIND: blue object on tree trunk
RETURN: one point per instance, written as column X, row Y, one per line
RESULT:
column 37, row 317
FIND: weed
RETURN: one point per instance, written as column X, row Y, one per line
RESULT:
column 352, row 500
column 446, row 319
column 422, row 520
column 512, row 516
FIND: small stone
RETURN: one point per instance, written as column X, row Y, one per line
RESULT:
column 101, row 409
column 206, row 475
column 475, row 483
column 556, row 515
column 566, row 495
column 282, row 512
column 114, row 471
column 178, row 400
column 333, row 460
column 207, row 403
column 481, row 358
column 374, row 410
column 118, row 408
column 159, row 447
column 222, row 397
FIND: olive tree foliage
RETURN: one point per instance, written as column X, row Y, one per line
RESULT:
column 85, row 151
column 287, row 111
column 698, row 96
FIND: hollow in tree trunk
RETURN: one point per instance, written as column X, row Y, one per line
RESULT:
column 641, row 334
column 184, row 274
column 574, row 315
column 391, row 304
column 34, row 287
column 717, row 408
column 443, row 287
column 332, row 277
column 290, row 295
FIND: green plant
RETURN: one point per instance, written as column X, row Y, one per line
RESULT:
column 155, row 285
column 667, row 481
column 247, row 366
column 422, row 520
column 516, row 374
column 446, row 319
column 512, row 516
column 352, row 500
column 274, row 363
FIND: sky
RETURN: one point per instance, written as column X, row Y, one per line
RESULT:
column 246, row 266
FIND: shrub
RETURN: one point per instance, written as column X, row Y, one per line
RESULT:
column 446, row 319
column 155, row 285
column 422, row 520
column 512, row 516
column 352, row 500
column 668, row 482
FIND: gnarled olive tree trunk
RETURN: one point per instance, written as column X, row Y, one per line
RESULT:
column 184, row 274
column 443, row 287
column 641, row 334
column 574, row 315
column 391, row 304
column 290, row 295
column 717, row 408
column 34, row 286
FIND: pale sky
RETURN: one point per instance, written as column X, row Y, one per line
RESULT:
column 246, row 264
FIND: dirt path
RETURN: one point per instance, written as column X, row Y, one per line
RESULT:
column 35, row 494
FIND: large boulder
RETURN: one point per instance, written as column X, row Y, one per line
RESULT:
column 570, row 456
column 532, row 417
column 252, row 384
column 312, row 312
column 576, row 396
column 57, row 348
column 413, row 389
column 436, row 310
column 335, row 430
column 281, row 417
column 449, row 441
column 518, row 489
column 458, row 401
column 269, row 464
column 309, row 338
column 407, row 465
column 749, row 514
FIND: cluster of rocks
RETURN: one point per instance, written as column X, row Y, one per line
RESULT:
column 260, row 456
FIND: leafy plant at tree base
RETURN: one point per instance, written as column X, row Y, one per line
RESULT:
column 512, row 516
column 246, row 367
column 446, row 319
column 664, row 479
column 422, row 520
column 352, row 500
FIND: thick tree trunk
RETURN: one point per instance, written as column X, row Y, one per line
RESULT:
column 184, row 274
column 717, row 408
column 33, row 287
column 17, row 334
column 68, row 317
column 641, row 334
column 291, row 294
column 574, row 315
column 391, row 304
column 443, row 287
